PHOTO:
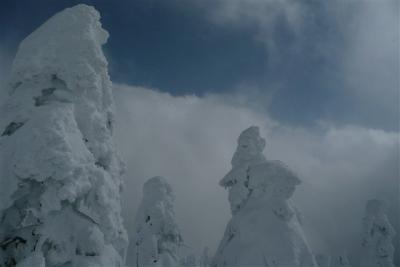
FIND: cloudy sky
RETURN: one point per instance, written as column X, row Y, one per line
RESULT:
column 318, row 60
column 321, row 79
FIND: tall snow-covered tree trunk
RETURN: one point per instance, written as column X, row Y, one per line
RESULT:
column 60, row 177
column 264, row 229
column 378, row 249
column 157, row 235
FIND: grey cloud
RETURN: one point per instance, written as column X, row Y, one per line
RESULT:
column 263, row 16
column 5, row 63
column 371, row 59
column 347, row 50
column 191, row 140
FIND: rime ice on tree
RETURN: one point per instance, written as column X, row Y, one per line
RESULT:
column 205, row 258
column 188, row 261
column 378, row 234
column 60, row 178
column 264, row 229
column 157, row 235
column 340, row 261
column 323, row 260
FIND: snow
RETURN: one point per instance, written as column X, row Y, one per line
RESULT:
column 205, row 258
column 61, row 177
column 340, row 261
column 264, row 229
column 157, row 236
column 323, row 260
column 377, row 244
column 36, row 260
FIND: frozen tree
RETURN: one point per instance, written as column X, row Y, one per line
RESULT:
column 340, row 260
column 322, row 260
column 264, row 229
column 189, row 261
column 60, row 177
column 157, row 235
column 378, row 233
column 205, row 258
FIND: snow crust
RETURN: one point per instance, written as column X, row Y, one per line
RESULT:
column 60, row 177
column 378, row 234
column 157, row 236
column 265, row 228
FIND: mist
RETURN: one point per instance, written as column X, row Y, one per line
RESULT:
column 190, row 140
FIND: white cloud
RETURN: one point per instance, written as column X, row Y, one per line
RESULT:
column 341, row 169
column 371, row 58
column 260, row 15
column 5, row 66
column 190, row 141
column 356, row 42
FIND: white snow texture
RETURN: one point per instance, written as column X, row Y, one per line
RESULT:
column 60, row 176
column 157, row 236
column 264, row 229
column 378, row 234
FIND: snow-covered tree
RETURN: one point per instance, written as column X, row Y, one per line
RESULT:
column 340, row 260
column 188, row 261
column 205, row 258
column 323, row 260
column 60, row 177
column 377, row 244
column 157, row 236
column 264, row 229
